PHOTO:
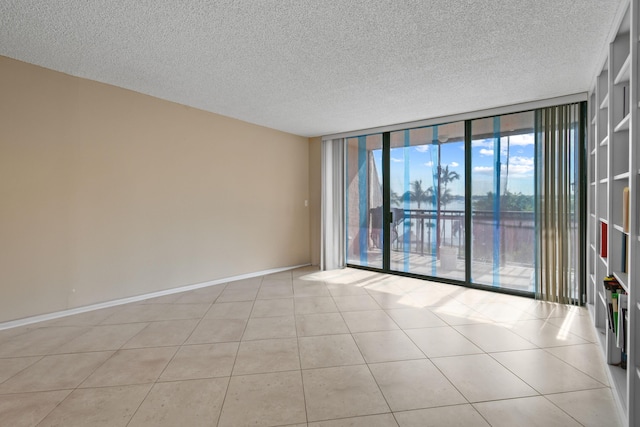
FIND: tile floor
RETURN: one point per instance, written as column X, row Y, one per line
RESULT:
column 309, row 348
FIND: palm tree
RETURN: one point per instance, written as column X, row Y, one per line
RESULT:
column 447, row 176
column 418, row 194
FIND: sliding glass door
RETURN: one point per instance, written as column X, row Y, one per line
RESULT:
column 427, row 195
column 503, row 199
column 455, row 202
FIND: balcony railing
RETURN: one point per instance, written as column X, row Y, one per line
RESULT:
column 415, row 231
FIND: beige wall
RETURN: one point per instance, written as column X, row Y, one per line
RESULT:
column 315, row 193
column 106, row 193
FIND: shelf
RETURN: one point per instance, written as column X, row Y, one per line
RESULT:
column 593, row 121
column 604, row 261
column 624, row 124
column 602, row 298
column 593, row 216
column 638, row 372
column 623, row 279
column 593, row 278
column 619, row 228
column 623, row 74
column 604, row 141
column 593, row 152
column 621, row 176
column 605, row 102
column 593, row 247
column 604, row 180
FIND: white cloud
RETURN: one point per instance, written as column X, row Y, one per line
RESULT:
column 520, row 166
column 486, row 152
column 454, row 164
column 393, row 159
column 422, row 148
column 429, row 164
column 482, row 143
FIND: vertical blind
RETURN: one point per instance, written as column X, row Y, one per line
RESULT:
column 558, row 181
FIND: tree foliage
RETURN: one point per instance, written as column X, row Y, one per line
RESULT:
column 508, row 202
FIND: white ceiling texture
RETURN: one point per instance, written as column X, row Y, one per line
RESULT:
column 320, row 67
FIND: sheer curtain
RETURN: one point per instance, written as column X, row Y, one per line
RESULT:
column 332, row 252
column 560, row 135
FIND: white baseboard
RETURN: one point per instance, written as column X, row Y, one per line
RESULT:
column 98, row 306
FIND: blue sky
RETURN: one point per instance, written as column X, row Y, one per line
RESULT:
column 517, row 151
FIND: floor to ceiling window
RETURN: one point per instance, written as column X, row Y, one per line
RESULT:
column 427, row 193
column 502, row 192
column 364, row 201
column 455, row 201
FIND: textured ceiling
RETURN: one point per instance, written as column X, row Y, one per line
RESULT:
column 324, row 66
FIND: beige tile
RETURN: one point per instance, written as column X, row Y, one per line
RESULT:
column 231, row 294
column 274, row 355
column 581, row 326
column 491, row 337
column 525, row 412
column 382, row 420
column 273, row 307
column 310, row 289
column 320, row 324
column 230, row 310
column 389, row 300
column 591, row 408
column 57, row 372
column 328, row 351
column 206, row 295
column 264, row 400
column 386, row 346
column 369, row 321
column 431, row 297
column 440, row 342
column 10, row 367
column 413, row 318
column 252, row 284
column 28, row 409
column 270, row 327
column 545, row 334
column 217, row 330
column 414, row 384
column 155, row 312
column 39, row 342
column 586, row 357
column 164, row 333
column 446, row 416
column 102, row 338
column 545, row 372
column 136, row 366
column 90, row 318
column 346, row 391
column 275, row 290
column 503, row 312
column 342, row 289
column 356, row 303
column 97, row 407
column 479, row 378
column 545, row 310
column 182, row 403
column 457, row 313
column 201, row 361
column 312, row 305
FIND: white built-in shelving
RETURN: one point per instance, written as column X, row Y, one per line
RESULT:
column 613, row 232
